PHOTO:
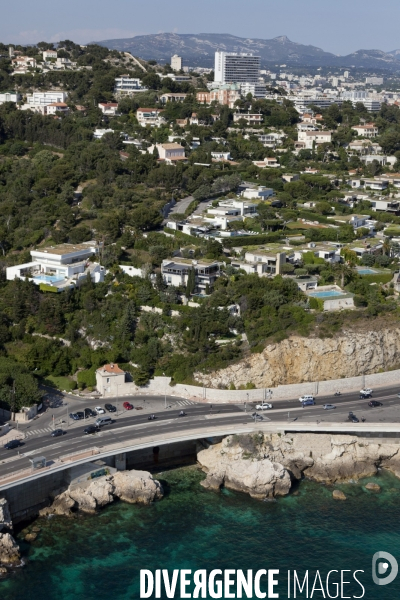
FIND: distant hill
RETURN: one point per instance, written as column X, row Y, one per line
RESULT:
column 199, row 49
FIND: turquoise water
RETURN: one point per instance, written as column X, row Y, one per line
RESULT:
column 326, row 294
column 49, row 278
column 366, row 271
column 98, row 557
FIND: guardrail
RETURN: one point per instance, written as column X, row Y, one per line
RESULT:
column 214, row 430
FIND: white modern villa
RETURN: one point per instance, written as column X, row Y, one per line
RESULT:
column 63, row 266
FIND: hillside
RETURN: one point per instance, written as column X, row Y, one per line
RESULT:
column 200, row 48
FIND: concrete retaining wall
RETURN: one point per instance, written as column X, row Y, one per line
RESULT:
column 161, row 385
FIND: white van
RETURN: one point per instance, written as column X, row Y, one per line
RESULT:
column 305, row 398
column 103, row 421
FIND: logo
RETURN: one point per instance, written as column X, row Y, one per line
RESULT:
column 380, row 568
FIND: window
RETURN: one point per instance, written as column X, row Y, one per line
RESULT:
column 108, row 380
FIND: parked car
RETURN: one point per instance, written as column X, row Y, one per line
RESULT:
column 127, row 406
column 91, row 429
column 57, row 433
column 110, row 408
column 12, row 444
column 81, row 415
column 309, row 402
column 89, row 413
column 374, row 403
column 305, row 398
column 264, row 406
column 99, row 410
column 352, row 417
column 329, row 406
column 74, row 416
column 366, row 391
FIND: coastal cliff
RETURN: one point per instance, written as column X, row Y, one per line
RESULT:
column 302, row 359
column 136, row 487
column 265, row 465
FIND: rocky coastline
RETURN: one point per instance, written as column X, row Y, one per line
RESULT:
column 263, row 465
column 266, row 465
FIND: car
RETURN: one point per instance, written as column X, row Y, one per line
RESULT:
column 91, row 429
column 329, row 406
column 74, row 416
column 110, row 408
column 264, row 406
column 374, row 403
column 12, row 444
column 99, row 410
column 352, row 417
column 81, row 415
column 303, row 399
column 57, row 433
column 364, row 396
column 309, row 402
column 366, row 391
column 88, row 412
column 127, row 406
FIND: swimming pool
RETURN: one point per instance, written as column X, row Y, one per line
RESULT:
column 366, row 271
column 326, row 294
column 48, row 278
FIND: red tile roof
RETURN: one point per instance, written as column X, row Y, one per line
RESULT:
column 112, row 368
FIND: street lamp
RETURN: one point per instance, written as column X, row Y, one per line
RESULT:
column 165, row 393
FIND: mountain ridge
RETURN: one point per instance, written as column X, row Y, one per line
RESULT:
column 200, row 48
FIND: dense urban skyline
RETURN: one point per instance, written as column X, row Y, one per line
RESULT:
column 340, row 28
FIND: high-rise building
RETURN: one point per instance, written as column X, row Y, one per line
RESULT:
column 176, row 63
column 231, row 67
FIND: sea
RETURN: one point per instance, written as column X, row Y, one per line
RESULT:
column 99, row 557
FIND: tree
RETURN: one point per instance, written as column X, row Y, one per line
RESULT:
column 344, row 271
column 191, row 282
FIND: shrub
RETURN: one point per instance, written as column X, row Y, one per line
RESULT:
column 87, row 378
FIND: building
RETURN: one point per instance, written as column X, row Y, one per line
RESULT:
column 257, row 90
column 38, row 101
column 374, row 80
column 108, row 108
column 225, row 95
column 127, row 86
column 231, row 67
column 176, row 273
column 9, row 96
column 62, row 267
column 271, row 260
column 251, row 119
column 258, row 193
column 177, row 97
column 170, row 152
column 309, row 138
column 109, row 379
column 267, row 162
column 176, row 63
column 98, row 133
column 150, row 116
column 24, row 61
column 48, row 54
column 57, row 107
column 369, row 130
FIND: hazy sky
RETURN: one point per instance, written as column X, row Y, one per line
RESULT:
column 339, row 26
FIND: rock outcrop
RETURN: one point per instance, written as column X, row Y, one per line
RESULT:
column 129, row 486
column 303, row 359
column 9, row 550
column 263, row 465
column 229, row 465
column 137, row 487
column 338, row 495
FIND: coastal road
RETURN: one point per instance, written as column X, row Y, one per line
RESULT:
column 129, row 425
